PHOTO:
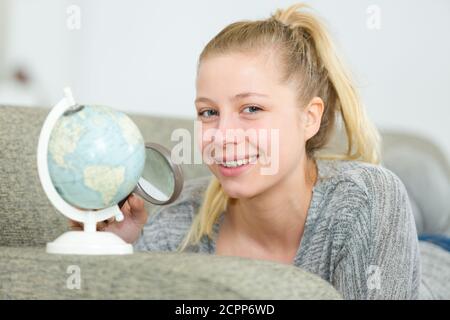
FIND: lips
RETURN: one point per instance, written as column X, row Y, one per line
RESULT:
column 235, row 159
column 236, row 168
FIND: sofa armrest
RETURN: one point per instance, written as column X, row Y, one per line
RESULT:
column 31, row 273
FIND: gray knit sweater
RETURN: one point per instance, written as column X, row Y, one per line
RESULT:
column 359, row 234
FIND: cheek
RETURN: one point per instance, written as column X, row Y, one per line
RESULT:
column 204, row 139
column 289, row 145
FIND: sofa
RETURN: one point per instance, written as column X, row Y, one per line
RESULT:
column 28, row 221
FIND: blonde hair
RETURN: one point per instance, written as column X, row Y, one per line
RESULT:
column 306, row 52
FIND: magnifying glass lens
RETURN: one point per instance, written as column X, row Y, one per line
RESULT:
column 161, row 181
column 157, row 179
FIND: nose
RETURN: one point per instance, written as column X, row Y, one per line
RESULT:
column 228, row 129
column 231, row 139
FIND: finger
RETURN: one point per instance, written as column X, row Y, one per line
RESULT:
column 139, row 214
column 110, row 220
column 126, row 210
column 101, row 226
column 77, row 228
column 75, row 225
column 73, row 222
column 136, row 203
column 122, row 202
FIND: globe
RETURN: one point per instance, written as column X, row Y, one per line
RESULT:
column 96, row 156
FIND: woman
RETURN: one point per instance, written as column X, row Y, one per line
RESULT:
column 343, row 217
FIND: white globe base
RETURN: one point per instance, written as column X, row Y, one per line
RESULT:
column 89, row 243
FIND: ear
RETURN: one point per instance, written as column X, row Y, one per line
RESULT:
column 312, row 116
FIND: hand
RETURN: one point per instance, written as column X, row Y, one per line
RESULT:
column 129, row 229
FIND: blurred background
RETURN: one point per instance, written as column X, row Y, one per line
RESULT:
column 140, row 56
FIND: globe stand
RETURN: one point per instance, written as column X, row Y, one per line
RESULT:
column 89, row 241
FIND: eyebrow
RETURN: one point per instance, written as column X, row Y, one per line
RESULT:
column 236, row 97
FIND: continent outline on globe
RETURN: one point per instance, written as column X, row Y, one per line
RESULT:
column 96, row 156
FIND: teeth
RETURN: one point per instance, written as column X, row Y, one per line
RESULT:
column 240, row 162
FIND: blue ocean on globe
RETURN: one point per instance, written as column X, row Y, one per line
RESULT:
column 96, row 156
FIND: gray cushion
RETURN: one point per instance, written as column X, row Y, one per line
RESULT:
column 435, row 278
column 425, row 171
column 26, row 216
column 30, row 273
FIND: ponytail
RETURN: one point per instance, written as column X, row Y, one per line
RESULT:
column 363, row 140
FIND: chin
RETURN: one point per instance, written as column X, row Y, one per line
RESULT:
column 238, row 192
column 240, row 188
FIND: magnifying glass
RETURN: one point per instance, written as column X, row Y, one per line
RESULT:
column 162, row 180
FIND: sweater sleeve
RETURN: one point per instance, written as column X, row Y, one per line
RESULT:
column 154, row 235
column 168, row 225
column 380, row 260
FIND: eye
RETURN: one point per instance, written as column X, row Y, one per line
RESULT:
column 251, row 109
column 208, row 113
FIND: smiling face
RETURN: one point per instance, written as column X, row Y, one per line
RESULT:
column 248, row 115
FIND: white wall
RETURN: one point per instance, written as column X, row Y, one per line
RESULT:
column 140, row 56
